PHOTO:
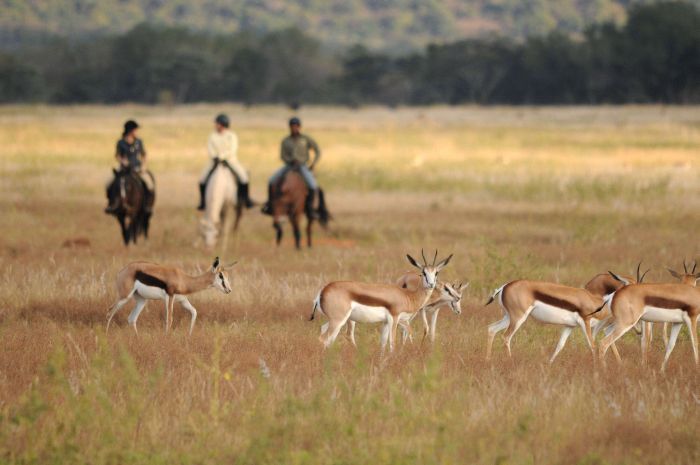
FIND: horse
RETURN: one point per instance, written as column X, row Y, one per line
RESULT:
column 221, row 194
column 288, row 199
column 127, row 201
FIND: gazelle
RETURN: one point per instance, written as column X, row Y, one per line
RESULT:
column 361, row 302
column 449, row 295
column 150, row 281
column 548, row 303
column 674, row 303
column 605, row 285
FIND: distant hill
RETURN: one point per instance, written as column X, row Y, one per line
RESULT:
column 381, row 24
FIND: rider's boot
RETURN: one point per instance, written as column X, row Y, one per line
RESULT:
column 309, row 205
column 202, row 193
column 267, row 208
column 244, row 196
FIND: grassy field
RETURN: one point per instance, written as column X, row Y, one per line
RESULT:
column 544, row 193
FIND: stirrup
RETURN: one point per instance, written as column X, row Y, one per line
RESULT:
column 266, row 209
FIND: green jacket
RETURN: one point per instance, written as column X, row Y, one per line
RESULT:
column 296, row 150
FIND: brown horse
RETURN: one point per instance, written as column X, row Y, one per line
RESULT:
column 288, row 199
column 127, row 202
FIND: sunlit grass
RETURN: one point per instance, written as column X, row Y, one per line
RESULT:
column 558, row 194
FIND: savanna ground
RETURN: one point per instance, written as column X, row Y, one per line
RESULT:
column 557, row 194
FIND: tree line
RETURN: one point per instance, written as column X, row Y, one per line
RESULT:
column 653, row 57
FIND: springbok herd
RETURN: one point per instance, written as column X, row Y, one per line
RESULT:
column 611, row 302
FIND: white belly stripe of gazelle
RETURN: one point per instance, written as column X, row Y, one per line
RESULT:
column 360, row 313
column 143, row 293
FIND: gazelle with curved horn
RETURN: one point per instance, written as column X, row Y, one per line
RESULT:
column 675, row 303
column 343, row 301
column 449, row 296
column 144, row 281
column 547, row 303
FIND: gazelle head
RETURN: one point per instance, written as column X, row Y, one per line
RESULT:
column 429, row 273
column 452, row 295
column 689, row 277
column 220, row 276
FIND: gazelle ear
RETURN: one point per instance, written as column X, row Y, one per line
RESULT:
column 444, row 263
column 673, row 273
column 413, row 262
column 619, row 278
column 463, row 286
column 215, row 265
column 229, row 266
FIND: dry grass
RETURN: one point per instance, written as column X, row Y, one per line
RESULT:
column 557, row 194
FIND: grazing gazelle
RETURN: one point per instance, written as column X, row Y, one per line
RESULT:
column 605, row 285
column 547, row 303
column 361, row 302
column 449, row 295
column 674, row 303
column 150, row 281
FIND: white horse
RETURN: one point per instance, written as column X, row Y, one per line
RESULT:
column 220, row 198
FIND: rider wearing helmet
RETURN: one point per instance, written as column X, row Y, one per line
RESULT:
column 223, row 147
column 131, row 155
column 294, row 152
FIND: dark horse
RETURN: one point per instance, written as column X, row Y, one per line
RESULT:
column 288, row 199
column 127, row 201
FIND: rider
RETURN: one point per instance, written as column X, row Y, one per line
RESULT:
column 222, row 147
column 131, row 155
column 295, row 155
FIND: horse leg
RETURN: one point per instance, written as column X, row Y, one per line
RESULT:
column 239, row 212
column 309, row 222
column 294, row 219
column 125, row 230
column 278, row 229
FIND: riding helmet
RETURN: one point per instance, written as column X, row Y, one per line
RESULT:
column 295, row 121
column 223, row 120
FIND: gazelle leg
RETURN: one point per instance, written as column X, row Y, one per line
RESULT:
column 426, row 325
column 405, row 331
column 324, row 328
column 664, row 334
column 134, row 315
column 115, row 308
column 645, row 341
column 392, row 335
column 386, row 334
column 613, row 346
column 189, row 307
column 171, row 312
column 351, row 332
column 167, row 311
column 493, row 329
column 614, row 335
column 675, row 329
column 692, row 323
column 334, row 328
column 586, row 328
column 565, row 333
column 513, row 328
column 433, row 324
column 599, row 324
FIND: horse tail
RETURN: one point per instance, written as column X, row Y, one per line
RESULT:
column 324, row 215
